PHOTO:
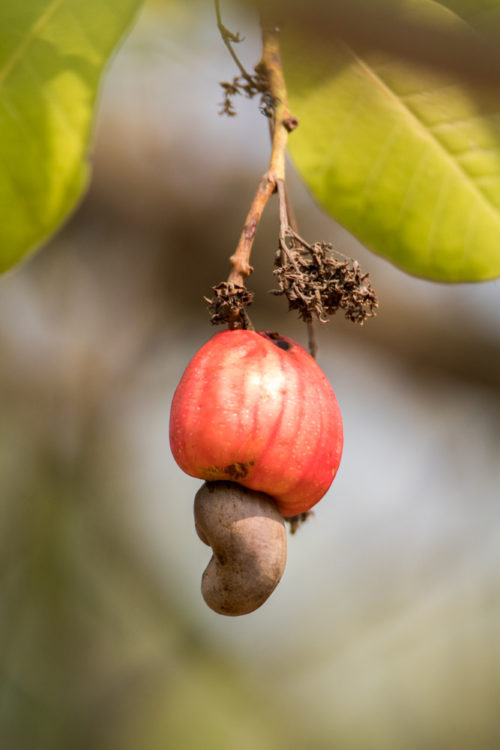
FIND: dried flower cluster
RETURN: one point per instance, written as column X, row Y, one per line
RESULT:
column 317, row 284
column 249, row 86
column 228, row 304
column 296, row 522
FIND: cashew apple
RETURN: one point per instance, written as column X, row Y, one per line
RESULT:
column 253, row 407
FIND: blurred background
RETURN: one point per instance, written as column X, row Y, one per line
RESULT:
column 384, row 632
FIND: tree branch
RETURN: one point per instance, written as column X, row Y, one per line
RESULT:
column 283, row 124
column 228, row 37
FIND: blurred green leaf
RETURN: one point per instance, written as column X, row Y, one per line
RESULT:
column 406, row 159
column 52, row 54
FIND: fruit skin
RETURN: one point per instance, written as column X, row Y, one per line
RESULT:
column 255, row 408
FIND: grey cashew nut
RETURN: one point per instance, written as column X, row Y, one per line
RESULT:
column 248, row 538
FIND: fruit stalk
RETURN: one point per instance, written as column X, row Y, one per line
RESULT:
column 283, row 123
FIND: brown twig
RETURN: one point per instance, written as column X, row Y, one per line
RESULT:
column 288, row 226
column 283, row 123
column 240, row 260
column 228, row 37
column 312, row 341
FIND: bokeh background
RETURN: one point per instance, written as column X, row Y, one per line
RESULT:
column 384, row 632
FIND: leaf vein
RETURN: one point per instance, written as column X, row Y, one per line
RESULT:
column 425, row 131
column 411, row 186
column 379, row 162
column 18, row 53
column 437, row 213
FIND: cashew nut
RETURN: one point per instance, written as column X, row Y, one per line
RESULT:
column 248, row 539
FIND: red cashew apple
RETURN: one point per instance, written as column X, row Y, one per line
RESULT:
column 256, row 409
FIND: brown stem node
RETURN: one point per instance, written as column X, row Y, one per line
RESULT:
column 290, row 123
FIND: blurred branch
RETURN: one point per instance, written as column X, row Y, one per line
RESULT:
column 229, row 38
column 426, row 344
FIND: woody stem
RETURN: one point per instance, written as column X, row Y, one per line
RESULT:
column 283, row 123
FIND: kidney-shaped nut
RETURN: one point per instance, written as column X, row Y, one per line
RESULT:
column 248, row 539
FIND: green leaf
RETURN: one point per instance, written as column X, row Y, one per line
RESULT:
column 406, row 159
column 52, row 54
